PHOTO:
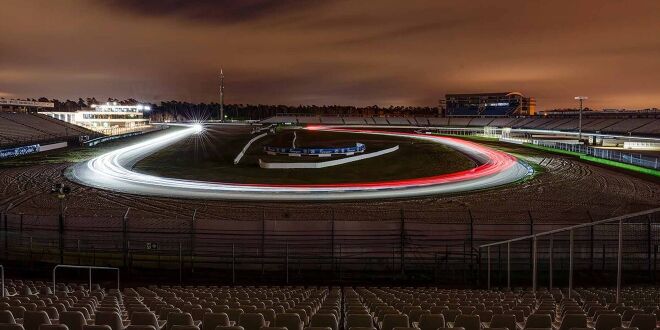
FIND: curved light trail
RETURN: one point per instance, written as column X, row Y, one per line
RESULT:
column 112, row 171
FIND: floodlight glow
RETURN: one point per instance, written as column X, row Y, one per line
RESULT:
column 198, row 128
column 112, row 171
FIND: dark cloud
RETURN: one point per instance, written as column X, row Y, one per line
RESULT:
column 333, row 52
column 210, row 11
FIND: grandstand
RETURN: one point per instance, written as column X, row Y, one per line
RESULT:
column 39, row 305
column 626, row 126
column 23, row 128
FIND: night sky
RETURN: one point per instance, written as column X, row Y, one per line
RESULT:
column 332, row 52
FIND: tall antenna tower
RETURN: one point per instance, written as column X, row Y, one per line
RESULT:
column 222, row 95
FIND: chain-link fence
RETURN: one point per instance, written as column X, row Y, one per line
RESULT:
column 277, row 245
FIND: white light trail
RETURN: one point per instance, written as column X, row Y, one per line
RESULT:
column 112, row 171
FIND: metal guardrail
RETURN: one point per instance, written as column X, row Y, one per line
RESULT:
column 571, row 230
column 82, row 267
column 614, row 155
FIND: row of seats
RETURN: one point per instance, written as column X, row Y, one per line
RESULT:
column 644, row 126
column 32, row 305
column 20, row 127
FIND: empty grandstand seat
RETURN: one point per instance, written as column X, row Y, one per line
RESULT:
column 33, row 319
column 147, row 318
column 573, row 321
column 179, row 319
column 431, row 322
column 629, row 313
column 6, row 317
column 391, row 321
column 11, row 326
column 53, row 327
column 140, row 327
column 291, row 321
column 112, row 319
column 359, row 320
column 52, row 312
column 231, row 327
column 252, row 321
column 74, row 320
column 324, row 320
column 468, row 322
column 184, row 327
column 543, row 321
column 643, row 321
column 234, row 314
column 213, row 320
column 503, row 321
column 607, row 322
column 484, row 315
column 451, row 314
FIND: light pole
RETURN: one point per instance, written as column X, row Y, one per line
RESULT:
column 581, row 99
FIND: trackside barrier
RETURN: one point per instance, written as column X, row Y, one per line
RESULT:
column 571, row 230
column 82, row 267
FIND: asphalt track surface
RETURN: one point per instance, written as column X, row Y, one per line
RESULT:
column 112, row 171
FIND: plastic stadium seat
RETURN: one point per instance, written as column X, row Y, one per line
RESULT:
column 184, row 327
column 543, row 321
column 484, row 315
column 33, row 319
column 213, row 320
column 6, row 317
column 324, row 320
column 53, row 327
column 469, row 322
column 304, row 317
column 628, row 314
column 140, row 327
column 97, row 327
column 268, row 313
column 607, row 322
column 231, row 327
column 573, row 321
column 359, row 320
column 179, row 319
column 451, row 314
column 643, row 321
column 291, row 321
column 503, row 321
column 391, row 321
column 252, row 321
column 431, row 322
column 17, row 311
column 74, row 320
column 198, row 313
column 415, row 314
column 11, row 326
column 234, row 314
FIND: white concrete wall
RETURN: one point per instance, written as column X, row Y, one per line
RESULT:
column 328, row 163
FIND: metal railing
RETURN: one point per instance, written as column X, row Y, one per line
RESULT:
column 619, row 221
column 83, row 267
column 614, row 155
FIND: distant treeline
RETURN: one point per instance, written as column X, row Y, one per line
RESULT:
column 176, row 110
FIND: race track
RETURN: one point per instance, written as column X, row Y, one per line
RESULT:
column 112, row 171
